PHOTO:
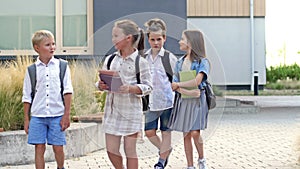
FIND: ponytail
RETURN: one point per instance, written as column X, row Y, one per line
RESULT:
column 131, row 28
column 140, row 43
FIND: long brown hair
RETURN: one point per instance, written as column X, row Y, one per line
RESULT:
column 195, row 38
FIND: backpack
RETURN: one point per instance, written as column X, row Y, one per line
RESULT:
column 167, row 67
column 210, row 95
column 32, row 74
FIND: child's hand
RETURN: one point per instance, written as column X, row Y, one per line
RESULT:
column 175, row 86
column 102, row 85
column 65, row 122
column 125, row 89
column 26, row 126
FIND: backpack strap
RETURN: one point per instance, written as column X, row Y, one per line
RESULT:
column 62, row 71
column 137, row 69
column 167, row 65
column 137, row 66
column 32, row 75
column 110, row 60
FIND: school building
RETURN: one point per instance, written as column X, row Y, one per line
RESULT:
column 234, row 30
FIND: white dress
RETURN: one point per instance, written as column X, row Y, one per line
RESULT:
column 123, row 113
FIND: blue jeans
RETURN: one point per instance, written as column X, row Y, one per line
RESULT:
column 152, row 117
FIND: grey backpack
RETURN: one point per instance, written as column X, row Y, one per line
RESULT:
column 32, row 74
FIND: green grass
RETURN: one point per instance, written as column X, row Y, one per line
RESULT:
column 281, row 87
column 284, row 85
column 265, row 92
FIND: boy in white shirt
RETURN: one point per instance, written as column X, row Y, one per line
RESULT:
column 162, row 96
column 49, row 106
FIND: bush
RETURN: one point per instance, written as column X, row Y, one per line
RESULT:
column 284, row 72
column 283, row 77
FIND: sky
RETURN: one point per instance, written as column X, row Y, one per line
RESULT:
column 282, row 32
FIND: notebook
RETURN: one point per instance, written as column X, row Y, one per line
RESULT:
column 111, row 79
column 186, row 76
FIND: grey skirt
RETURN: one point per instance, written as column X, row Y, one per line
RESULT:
column 189, row 114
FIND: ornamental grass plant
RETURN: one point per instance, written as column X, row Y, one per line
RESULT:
column 86, row 98
column 11, row 84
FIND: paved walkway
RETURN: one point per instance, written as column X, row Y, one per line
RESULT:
column 263, row 140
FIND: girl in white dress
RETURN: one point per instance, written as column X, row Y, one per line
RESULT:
column 123, row 109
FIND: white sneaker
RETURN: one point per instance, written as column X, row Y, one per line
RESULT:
column 202, row 163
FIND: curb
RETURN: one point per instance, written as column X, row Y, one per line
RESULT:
column 232, row 105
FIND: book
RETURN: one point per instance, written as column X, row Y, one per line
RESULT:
column 111, row 79
column 186, row 76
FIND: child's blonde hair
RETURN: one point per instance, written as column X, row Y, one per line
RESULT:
column 155, row 25
column 40, row 35
column 131, row 28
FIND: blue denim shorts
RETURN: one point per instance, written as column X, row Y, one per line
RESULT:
column 44, row 130
column 152, row 117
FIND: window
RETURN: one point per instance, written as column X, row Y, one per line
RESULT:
column 71, row 22
column 74, row 23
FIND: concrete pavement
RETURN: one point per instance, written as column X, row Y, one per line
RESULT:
column 266, row 139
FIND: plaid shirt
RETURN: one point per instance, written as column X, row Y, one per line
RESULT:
column 123, row 112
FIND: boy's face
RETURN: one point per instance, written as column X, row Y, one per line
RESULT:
column 46, row 48
column 156, row 40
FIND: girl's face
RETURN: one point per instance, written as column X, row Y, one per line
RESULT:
column 46, row 48
column 183, row 43
column 156, row 40
column 119, row 39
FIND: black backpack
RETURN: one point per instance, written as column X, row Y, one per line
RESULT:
column 167, row 67
column 210, row 95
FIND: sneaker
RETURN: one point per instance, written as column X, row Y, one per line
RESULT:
column 202, row 163
column 166, row 162
column 158, row 166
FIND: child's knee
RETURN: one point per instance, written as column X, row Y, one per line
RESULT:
column 58, row 149
column 40, row 148
column 130, row 152
column 150, row 133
